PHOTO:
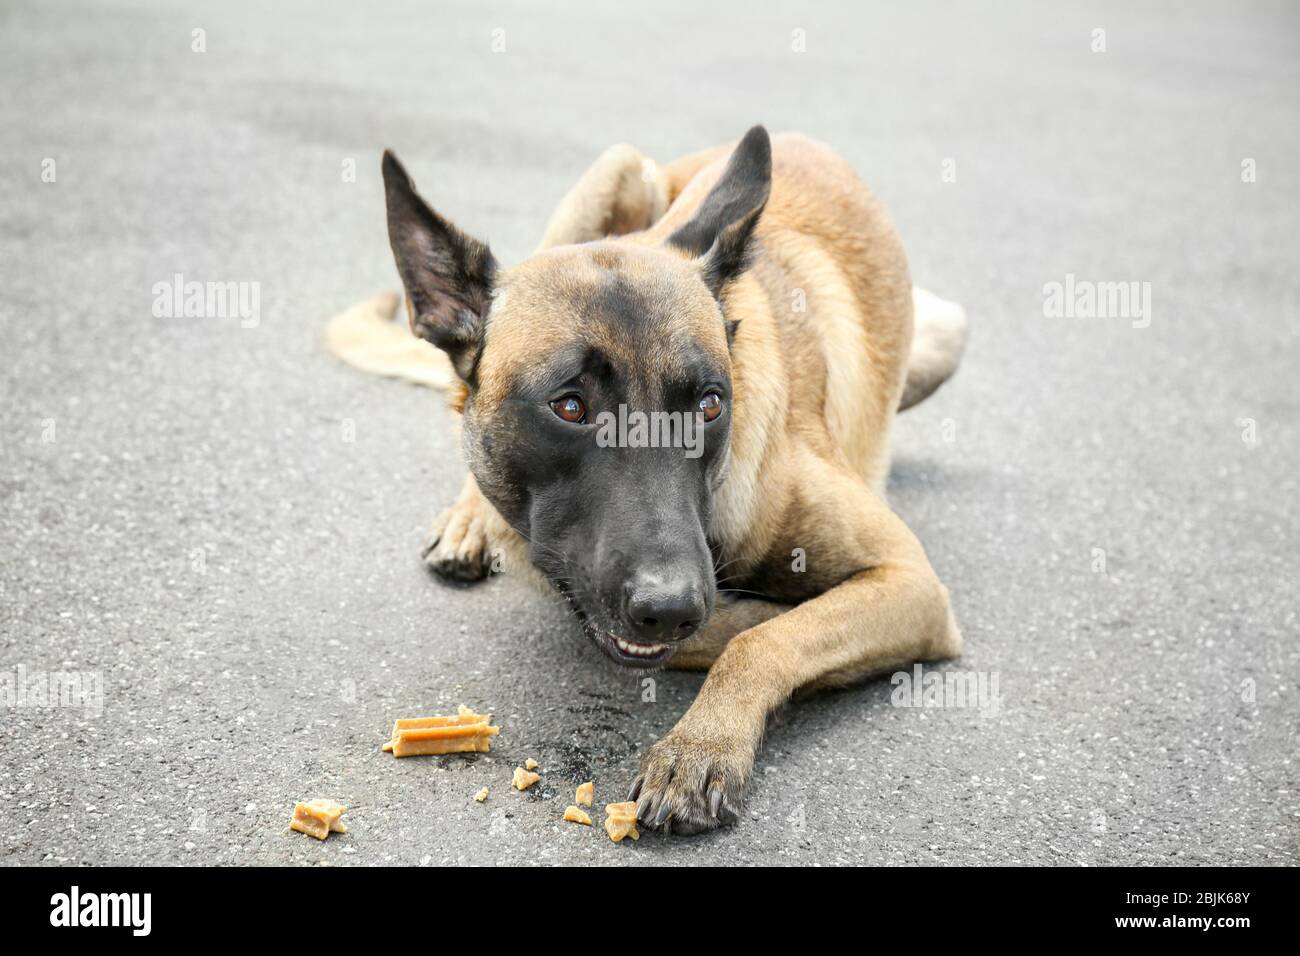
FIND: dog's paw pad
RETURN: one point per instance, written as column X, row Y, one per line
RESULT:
column 457, row 548
column 691, row 784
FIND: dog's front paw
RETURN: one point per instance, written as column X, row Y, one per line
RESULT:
column 457, row 547
column 694, row 779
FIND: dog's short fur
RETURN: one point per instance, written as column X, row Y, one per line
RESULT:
column 765, row 275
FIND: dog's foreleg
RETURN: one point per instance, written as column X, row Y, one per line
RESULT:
column 471, row 540
column 458, row 546
column 729, row 618
column 888, row 611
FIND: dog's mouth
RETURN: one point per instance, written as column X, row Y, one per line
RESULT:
column 622, row 650
column 631, row 653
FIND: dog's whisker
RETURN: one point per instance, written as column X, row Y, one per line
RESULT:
column 726, row 564
column 741, row 591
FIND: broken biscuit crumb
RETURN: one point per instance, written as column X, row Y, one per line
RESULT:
column 530, row 764
column 318, row 818
column 467, row 732
column 574, row 815
column 620, row 821
column 586, row 792
column 523, row 779
column 481, row 795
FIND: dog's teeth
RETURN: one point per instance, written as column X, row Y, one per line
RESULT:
column 641, row 650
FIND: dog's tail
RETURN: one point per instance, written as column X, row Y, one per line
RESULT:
column 938, row 340
column 370, row 337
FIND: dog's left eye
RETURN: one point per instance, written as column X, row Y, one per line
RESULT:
column 711, row 406
column 570, row 408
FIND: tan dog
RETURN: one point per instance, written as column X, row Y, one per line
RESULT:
column 758, row 294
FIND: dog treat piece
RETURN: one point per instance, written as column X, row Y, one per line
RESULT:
column 620, row 821
column 318, row 818
column 467, row 732
column 530, row 764
column 586, row 793
column 574, row 815
column 523, row 779
column 481, row 795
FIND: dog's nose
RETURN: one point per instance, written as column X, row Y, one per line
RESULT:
column 662, row 609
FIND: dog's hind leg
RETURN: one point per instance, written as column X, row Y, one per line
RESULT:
column 938, row 340
column 621, row 192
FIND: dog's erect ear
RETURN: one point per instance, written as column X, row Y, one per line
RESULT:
column 448, row 275
column 720, row 229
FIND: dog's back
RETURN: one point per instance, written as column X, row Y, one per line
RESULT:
column 838, row 290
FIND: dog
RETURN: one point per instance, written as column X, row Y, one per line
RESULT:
column 760, row 290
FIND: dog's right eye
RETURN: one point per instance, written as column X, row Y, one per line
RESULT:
column 570, row 408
